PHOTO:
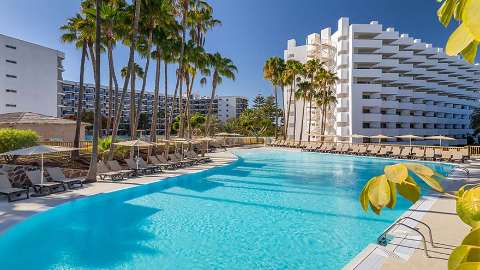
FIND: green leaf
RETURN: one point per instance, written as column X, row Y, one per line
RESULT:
column 459, row 258
column 409, row 189
column 473, row 238
column 445, row 12
column 393, row 195
column 396, row 173
column 470, row 52
column 432, row 182
column 379, row 192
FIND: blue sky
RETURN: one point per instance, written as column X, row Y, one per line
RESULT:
column 252, row 30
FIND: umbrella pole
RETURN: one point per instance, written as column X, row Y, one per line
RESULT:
column 138, row 154
column 41, row 171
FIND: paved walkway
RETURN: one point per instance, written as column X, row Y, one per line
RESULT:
column 406, row 250
column 12, row 213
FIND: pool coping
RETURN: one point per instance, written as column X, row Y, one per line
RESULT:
column 16, row 212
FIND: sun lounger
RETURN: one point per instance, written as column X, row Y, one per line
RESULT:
column 384, row 150
column 418, row 153
column 375, row 150
column 370, row 148
column 104, row 172
column 446, row 155
column 191, row 154
column 139, row 170
column 46, row 187
column 182, row 163
column 57, row 175
column 362, row 149
column 429, row 154
column 396, row 150
column 355, row 149
column 165, row 166
column 179, row 157
column 345, row 148
column 144, row 164
column 438, row 153
column 406, row 152
column 457, row 156
column 162, row 159
column 13, row 194
column 115, row 167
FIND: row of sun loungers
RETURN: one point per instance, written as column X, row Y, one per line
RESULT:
column 405, row 152
column 55, row 180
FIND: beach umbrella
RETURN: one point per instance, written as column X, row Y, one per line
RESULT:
column 135, row 143
column 440, row 138
column 380, row 137
column 38, row 150
column 410, row 137
column 358, row 136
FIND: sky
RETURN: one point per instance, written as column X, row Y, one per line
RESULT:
column 251, row 31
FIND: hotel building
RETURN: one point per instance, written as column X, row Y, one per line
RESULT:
column 389, row 83
column 224, row 107
column 30, row 77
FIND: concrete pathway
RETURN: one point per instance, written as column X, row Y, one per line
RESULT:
column 12, row 213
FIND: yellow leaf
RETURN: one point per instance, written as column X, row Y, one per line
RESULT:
column 393, row 195
column 409, row 189
column 459, row 40
column 473, row 238
column 364, row 196
column 469, row 265
column 445, row 12
column 375, row 209
column 418, row 168
column 468, row 207
column 396, row 173
column 379, row 192
column 470, row 52
column 432, row 182
column 471, row 17
column 463, row 258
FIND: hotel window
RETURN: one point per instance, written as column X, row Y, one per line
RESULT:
column 10, row 105
column 11, row 61
column 11, row 47
column 10, row 91
column 11, row 76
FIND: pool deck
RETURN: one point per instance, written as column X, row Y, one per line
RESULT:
column 405, row 249
column 13, row 213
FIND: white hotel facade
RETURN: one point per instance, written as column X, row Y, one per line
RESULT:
column 389, row 83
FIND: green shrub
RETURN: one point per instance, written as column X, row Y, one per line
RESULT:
column 12, row 139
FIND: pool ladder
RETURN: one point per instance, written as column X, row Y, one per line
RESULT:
column 382, row 239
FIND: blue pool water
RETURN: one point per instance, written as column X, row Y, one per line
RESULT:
column 271, row 209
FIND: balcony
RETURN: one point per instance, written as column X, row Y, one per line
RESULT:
column 367, row 43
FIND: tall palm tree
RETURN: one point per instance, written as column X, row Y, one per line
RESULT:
column 325, row 80
column 73, row 34
column 311, row 68
column 222, row 68
column 272, row 71
column 131, row 57
column 138, row 72
column 292, row 69
column 92, row 170
column 304, row 88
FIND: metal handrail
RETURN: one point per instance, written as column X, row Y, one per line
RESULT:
column 382, row 238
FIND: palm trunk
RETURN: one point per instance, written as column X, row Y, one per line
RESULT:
column 166, row 98
column 78, row 123
column 185, row 5
column 210, row 105
column 116, row 104
column 189, row 91
column 92, row 170
column 110, row 95
column 180, row 107
column 310, row 120
column 131, row 58
column 276, row 111
column 92, row 56
column 174, row 104
column 153, row 127
column 288, row 112
column 303, row 115
column 283, row 106
column 144, row 79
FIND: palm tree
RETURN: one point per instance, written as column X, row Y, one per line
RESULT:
column 272, row 71
column 292, row 69
column 222, row 68
column 325, row 80
column 304, row 88
column 475, row 121
column 92, row 170
column 73, row 34
column 311, row 68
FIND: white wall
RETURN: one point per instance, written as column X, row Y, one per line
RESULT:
column 36, row 81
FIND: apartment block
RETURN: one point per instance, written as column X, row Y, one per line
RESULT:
column 30, row 77
column 389, row 83
column 222, row 106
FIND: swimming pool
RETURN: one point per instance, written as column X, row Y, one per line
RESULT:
column 271, row 209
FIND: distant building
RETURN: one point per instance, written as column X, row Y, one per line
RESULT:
column 30, row 77
column 49, row 128
column 389, row 83
column 231, row 107
column 224, row 108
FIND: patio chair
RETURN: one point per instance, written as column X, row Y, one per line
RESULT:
column 362, row 150
column 103, row 172
column 370, row 148
column 465, row 154
column 182, row 163
column 383, row 151
column 457, row 156
column 438, row 153
column 144, row 164
column 181, row 158
column 375, row 150
column 396, row 150
column 155, row 161
column 429, row 154
column 115, row 167
column 46, row 187
column 418, row 153
column 406, row 152
column 446, row 155
column 355, row 149
column 57, row 175
column 139, row 170
column 13, row 194
column 162, row 159
column 345, row 148
column 193, row 155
